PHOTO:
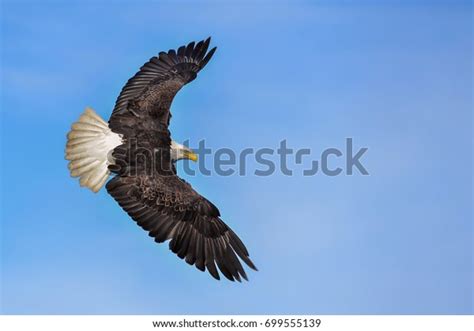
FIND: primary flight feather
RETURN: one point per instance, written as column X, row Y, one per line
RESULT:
column 136, row 147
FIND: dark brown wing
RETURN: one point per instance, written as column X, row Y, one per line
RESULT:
column 142, row 111
column 169, row 209
column 148, row 95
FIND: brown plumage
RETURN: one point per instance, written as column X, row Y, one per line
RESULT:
column 146, row 184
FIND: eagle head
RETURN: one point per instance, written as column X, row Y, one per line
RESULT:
column 180, row 152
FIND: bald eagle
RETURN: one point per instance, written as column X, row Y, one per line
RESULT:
column 135, row 147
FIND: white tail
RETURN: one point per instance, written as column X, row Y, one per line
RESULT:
column 88, row 145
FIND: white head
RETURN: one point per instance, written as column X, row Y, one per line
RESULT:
column 179, row 152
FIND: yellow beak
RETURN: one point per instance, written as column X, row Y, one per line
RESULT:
column 191, row 156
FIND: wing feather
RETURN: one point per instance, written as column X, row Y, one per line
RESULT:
column 168, row 71
column 169, row 209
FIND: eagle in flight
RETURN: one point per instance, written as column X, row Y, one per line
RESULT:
column 136, row 147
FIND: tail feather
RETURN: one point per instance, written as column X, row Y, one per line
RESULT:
column 88, row 145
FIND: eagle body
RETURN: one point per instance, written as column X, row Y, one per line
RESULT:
column 135, row 146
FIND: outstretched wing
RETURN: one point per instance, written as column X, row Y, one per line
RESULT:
column 148, row 94
column 169, row 209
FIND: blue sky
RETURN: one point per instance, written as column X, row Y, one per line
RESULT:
column 395, row 77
